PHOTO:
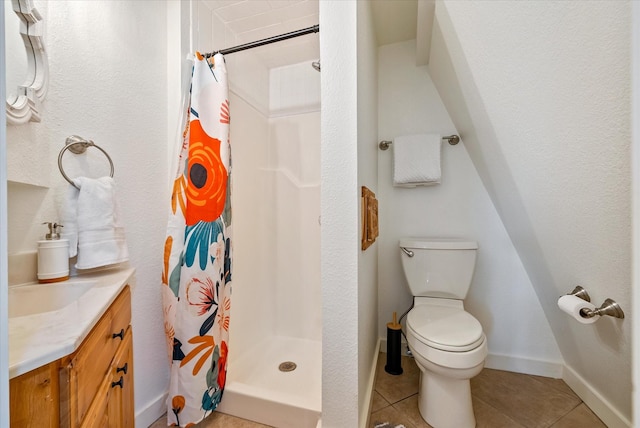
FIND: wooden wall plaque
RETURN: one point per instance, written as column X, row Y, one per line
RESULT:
column 369, row 218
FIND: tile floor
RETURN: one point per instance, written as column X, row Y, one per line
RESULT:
column 500, row 400
column 215, row 420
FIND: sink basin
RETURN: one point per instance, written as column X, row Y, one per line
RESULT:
column 31, row 299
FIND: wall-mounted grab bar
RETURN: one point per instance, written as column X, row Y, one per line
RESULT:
column 451, row 139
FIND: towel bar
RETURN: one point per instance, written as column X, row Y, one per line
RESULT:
column 451, row 139
column 78, row 145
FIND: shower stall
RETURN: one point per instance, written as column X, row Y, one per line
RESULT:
column 274, row 366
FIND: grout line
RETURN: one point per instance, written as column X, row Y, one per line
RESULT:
column 554, row 387
column 563, row 416
column 486, row 403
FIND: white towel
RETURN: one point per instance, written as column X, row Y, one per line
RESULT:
column 416, row 160
column 101, row 238
column 68, row 214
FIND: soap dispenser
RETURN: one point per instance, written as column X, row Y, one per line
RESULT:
column 53, row 256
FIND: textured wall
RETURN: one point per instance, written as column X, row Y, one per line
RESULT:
column 107, row 62
column 501, row 295
column 540, row 92
column 339, row 201
column 635, row 167
column 4, row 340
column 367, row 176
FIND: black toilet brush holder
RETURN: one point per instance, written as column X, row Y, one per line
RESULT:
column 394, row 348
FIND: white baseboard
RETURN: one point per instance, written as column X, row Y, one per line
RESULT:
column 508, row 363
column 594, row 400
column 371, row 384
column 524, row 365
column 152, row 411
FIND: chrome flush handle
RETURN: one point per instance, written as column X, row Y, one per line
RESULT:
column 407, row 252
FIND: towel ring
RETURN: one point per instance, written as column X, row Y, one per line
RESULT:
column 78, row 145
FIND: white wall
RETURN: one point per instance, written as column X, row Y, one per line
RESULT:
column 107, row 62
column 635, row 167
column 540, row 92
column 367, row 176
column 4, row 310
column 501, row 295
column 339, row 201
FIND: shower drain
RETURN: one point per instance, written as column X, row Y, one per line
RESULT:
column 287, row 366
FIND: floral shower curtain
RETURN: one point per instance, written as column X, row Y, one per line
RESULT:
column 196, row 276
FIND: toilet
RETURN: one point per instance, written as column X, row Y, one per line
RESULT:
column 447, row 342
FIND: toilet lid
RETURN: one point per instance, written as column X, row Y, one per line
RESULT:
column 446, row 328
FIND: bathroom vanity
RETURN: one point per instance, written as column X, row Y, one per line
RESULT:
column 79, row 371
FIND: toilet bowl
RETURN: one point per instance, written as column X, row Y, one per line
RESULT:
column 447, row 342
column 449, row 348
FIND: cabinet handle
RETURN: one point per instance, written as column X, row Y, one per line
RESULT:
column 123, row 368
column 120, row 335
column 119, row 383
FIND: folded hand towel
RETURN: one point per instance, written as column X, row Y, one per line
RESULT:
column 101, row 238
column 68, row 214
column 416, row 160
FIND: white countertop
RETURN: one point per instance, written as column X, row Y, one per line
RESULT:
column 36, row 340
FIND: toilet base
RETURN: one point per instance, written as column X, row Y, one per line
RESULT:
column 445, row 402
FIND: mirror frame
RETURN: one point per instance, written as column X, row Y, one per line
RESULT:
column 26, row 107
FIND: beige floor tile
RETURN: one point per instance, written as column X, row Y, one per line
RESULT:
column 220, row 420
column 409, row 407
column 557, row 384
column 378, row 402
column 489, row 417
column 160, row 422
column 215, row 420
column 580, row 417
column 395, row 388
column 392, row 416
column 523, row 398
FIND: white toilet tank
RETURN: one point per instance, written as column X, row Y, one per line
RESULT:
column 438, row 267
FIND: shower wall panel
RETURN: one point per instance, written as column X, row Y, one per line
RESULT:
column 276, row 185
column 252, row 311
column 294, row 145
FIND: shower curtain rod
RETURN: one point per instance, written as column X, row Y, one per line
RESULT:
column 267, row 41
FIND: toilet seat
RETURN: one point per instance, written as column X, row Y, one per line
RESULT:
column 446, row 328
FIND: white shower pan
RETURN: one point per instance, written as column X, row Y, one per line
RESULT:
column 258, row 390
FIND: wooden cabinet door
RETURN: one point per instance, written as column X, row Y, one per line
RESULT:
column 96, row 415
column 34, row 398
